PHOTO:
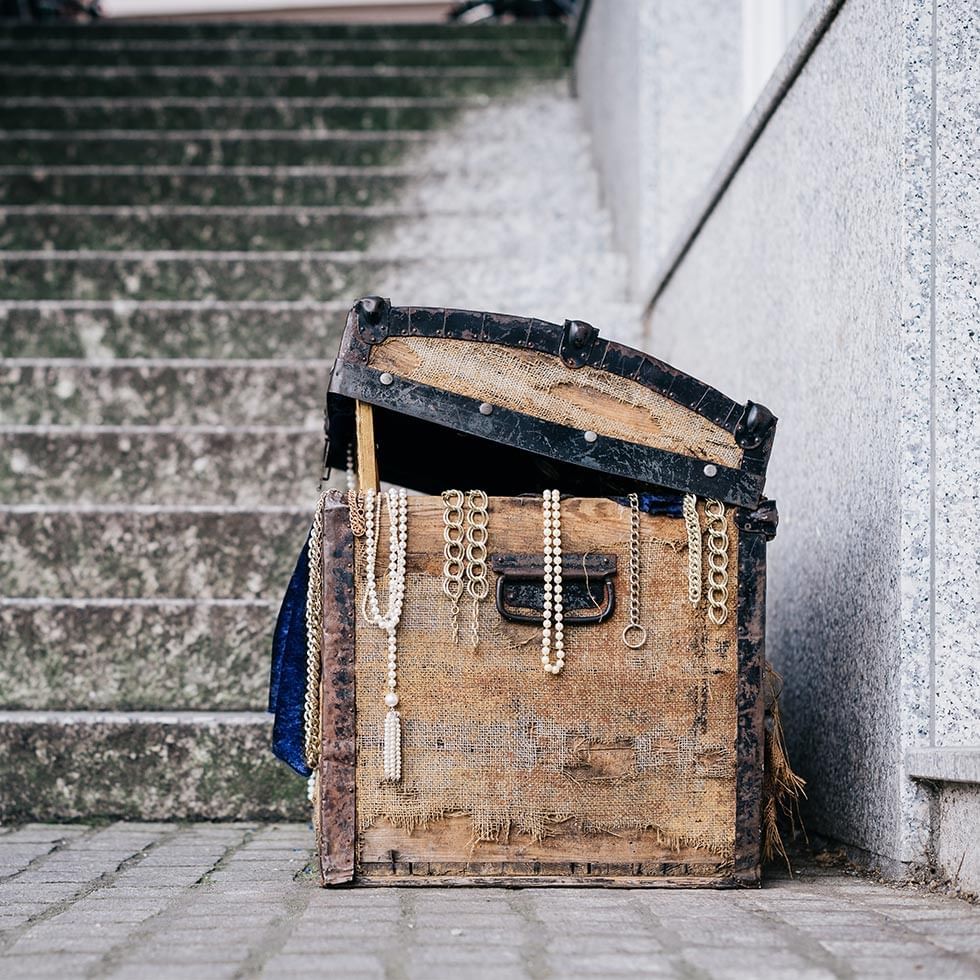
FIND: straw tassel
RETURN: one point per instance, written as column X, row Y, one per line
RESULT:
column 782, row 789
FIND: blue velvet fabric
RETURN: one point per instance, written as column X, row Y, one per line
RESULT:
column 287, row 682
column 664, row 504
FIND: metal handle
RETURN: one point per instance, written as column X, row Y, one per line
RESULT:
column 520, row 586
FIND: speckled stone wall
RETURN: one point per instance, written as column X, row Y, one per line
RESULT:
column 836, row 282
column 659, row 85
column 802, row 292
column 957, row 377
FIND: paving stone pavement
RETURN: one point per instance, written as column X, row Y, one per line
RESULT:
column 209, row 901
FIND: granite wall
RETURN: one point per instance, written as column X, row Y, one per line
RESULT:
column 660, row 93
column 835, row 280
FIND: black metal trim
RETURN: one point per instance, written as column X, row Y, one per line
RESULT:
column 763, row 520
column 376, row 320
column 653, row 467
column 750, row 734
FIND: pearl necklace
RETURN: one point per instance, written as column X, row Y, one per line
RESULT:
column 552, row 604
column 397, row 504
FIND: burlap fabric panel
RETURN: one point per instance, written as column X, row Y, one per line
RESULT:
column 541, row 386
column 640, row 740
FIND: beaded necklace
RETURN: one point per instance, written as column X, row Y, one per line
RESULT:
column 552, row 612
column 397, row 505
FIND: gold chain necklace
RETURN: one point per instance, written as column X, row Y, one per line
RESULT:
column 314, row 635
column 634, row 633
column 453, row 552
column 693, row 525
column 477, row 584
column 714, row 511
column 465, row 519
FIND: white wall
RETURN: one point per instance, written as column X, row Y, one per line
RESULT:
column 660, row 87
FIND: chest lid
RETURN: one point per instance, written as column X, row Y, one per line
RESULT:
column 514, row 405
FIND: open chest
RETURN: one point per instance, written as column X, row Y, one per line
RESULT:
column 578, row 579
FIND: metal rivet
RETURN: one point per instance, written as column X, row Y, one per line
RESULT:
column 711, row 470
column 386, row 378
column 590, row 436
column 486, row 408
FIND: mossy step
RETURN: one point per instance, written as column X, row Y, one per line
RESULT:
column 280, row 83
column 228, row 31
column 150, row 552
column 420, row 53
column 223, row 229
column 144, row 766
column 200, row 329
column 196, row 329
column 188, row 275
column 210, row 149
column 298, row 114
column 138, row 655
column 262, row 229
column 463, row 280
column 171, row 393
column 200, row 186
column 157, row 466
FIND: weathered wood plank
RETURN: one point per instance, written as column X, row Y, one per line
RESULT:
column 370, row 876
column 367, row 460
column 451, row 840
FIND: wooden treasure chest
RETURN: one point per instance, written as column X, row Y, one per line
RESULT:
column 543, row 663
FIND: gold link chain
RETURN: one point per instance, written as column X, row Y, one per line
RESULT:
column 693, row 524
column 453, row 552
column 634, row 633
column 356, row 510
column 314, row 637
column 714, row 512
column 477, row 583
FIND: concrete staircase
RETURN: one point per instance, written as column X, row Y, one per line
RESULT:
column 186, row 211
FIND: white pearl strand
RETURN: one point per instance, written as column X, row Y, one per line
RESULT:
column 397, row 504
column 553, row 622
column 349, row 475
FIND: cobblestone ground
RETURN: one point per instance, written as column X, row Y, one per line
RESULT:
column 237, row 900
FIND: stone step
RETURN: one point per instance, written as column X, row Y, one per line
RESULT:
column 221, row 229
column 470, row 281
column 158, row 466
column 238, row 31
column 150, row 552
column 204, row 329
column 138, row 654
column 206, row 186
column 183, row 329
column 180, row 765
column 243, row 113
column 305, row 82
column 454, row 52
column 186, row 275
column 168, row 392
column 185, row 148
column 69, row 228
